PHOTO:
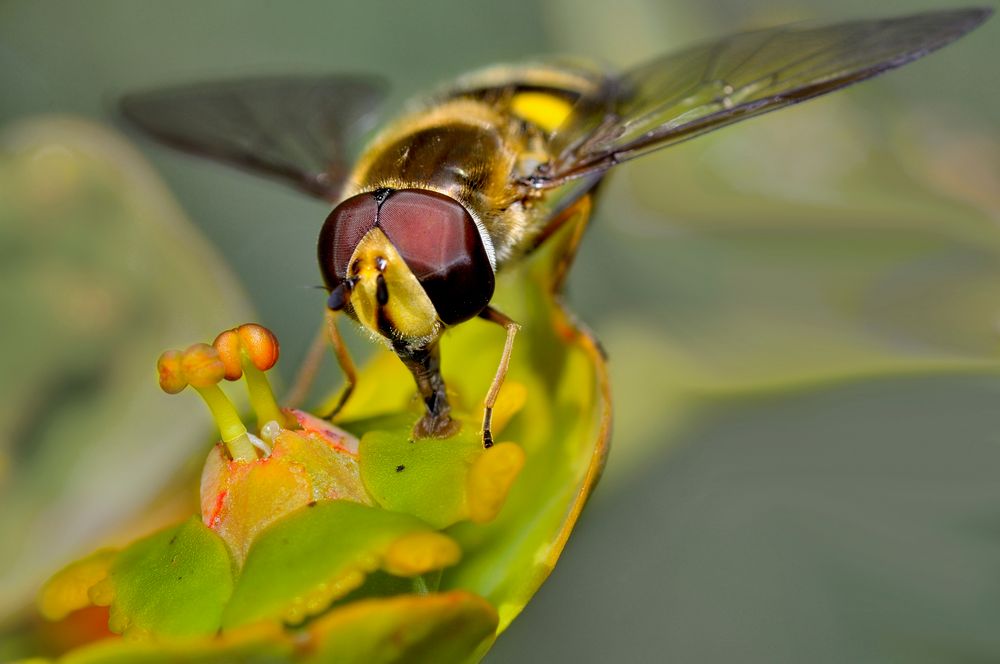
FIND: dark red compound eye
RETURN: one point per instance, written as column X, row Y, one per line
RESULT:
column 342, row 231
column 441, row 244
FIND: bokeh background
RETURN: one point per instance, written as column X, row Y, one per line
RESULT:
column 802, row 314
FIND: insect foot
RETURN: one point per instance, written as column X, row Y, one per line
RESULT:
column 436, row 426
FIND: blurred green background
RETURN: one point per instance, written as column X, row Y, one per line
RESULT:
column 801, row 312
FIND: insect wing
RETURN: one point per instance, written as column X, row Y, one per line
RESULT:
column 291, row 128
column 711, row 85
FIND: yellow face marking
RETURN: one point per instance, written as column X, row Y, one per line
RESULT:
column 545, row 110
column 407, row 309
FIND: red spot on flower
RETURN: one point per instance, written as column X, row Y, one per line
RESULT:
column 213, row 519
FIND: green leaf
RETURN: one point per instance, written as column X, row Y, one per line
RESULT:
column 425, row 478
column 302, row 563
column 172, row 584
column 262, row 645
column 413, row 629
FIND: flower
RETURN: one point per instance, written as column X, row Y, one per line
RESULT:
column 319, row 540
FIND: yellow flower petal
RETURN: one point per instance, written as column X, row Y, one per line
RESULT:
column 421, row 552
column 490, row 479
column 68, row 590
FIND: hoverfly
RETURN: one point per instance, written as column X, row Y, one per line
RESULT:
column 472, row 178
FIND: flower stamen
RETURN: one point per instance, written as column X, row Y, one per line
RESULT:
column 248, row 351
column 201, row 367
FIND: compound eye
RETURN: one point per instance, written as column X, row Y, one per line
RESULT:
column 342, row 231
column 441, row 245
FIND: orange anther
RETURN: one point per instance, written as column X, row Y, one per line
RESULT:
column 260, row 345
column 202, row 365
column 228, row 346
column 168, row 366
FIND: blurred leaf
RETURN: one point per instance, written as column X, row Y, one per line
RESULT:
column 736, row 309
column 843, row 521
column 412, row 629
column 69, row 589
column 102, row 271
column 952, row 155
column 431, row 628
column 799, row 247
column 264, row 644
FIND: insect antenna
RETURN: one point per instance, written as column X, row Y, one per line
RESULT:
column 341, row 295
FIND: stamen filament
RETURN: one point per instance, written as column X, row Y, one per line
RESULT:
column 262, row 400
column 234, row 434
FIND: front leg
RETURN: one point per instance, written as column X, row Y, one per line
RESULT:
column 494, row 316
column 425, row 365
column 328, row 335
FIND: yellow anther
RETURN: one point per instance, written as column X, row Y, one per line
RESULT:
column 168, row 366
column 249, row 351
column 260, row 345
column 202, row 365
column 228, row 346
column 246, row 351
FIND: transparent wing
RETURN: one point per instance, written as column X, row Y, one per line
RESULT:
column 293, row 128
column 711, row 85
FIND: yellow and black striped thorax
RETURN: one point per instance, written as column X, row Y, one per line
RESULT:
column 475, row 141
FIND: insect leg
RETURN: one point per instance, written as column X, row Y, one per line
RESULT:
column 491, row 314
column 425, row 365
column 306, row 374
column 343, row 359
column 576, row 216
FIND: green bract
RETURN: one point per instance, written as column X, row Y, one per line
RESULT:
column 425, row 479
column 173, row 583
column 409, row 629
column 318, row 554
